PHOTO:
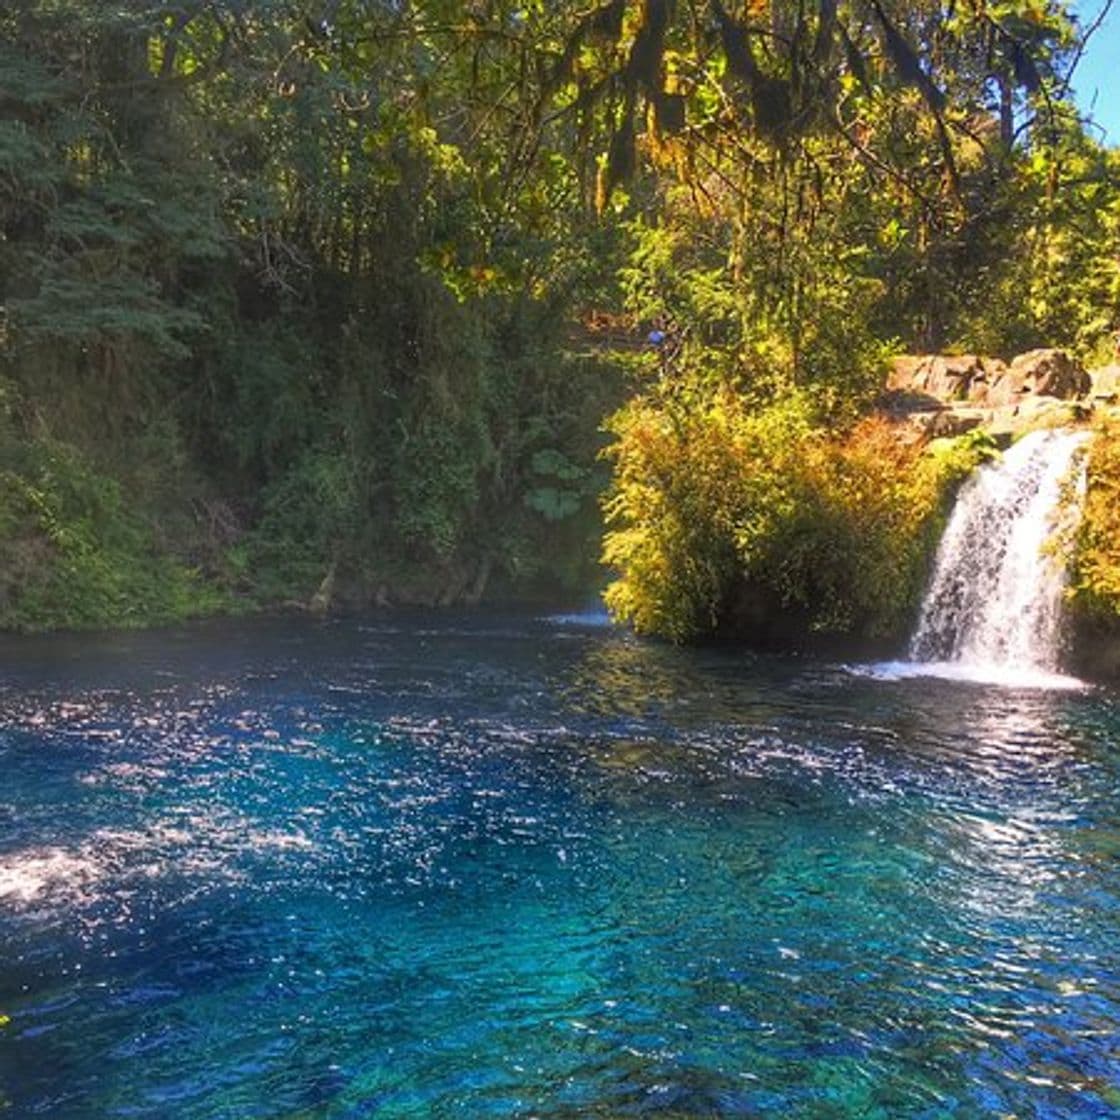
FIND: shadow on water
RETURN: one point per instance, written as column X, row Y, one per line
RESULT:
column 459, row 866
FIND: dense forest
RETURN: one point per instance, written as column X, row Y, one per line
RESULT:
column 353, row 303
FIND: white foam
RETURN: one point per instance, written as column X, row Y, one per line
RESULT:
column 1001, row 676
column 111, row 862
column 597, row 619
column 24, row 876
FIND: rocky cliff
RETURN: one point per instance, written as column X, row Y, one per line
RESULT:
column 948, row 395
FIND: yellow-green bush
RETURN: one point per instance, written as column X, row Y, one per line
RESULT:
column 1095, row 575
column 724, row 519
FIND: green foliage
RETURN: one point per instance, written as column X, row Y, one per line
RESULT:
column 308, row 515
column 724, row 518
column 563, row 485
column 1046, row 265
column 784, row 313
column 1095, row 571
column 317, row 301
column 247, row 247
column 74, row 553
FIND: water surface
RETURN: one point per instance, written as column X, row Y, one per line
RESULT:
column 454, row 867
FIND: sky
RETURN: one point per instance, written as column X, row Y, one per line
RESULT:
column 1097, row 80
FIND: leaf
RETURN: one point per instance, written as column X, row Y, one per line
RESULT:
column 555, row 464
column 553, row 503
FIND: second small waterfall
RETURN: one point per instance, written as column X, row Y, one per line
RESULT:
column 994, row 601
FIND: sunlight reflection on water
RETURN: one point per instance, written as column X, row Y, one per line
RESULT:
column 472, row 872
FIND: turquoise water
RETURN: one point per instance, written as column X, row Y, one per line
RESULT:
column 430, row 866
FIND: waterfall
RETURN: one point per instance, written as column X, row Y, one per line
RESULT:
column 994, row 601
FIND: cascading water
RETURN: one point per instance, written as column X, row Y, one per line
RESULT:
column 993, row 606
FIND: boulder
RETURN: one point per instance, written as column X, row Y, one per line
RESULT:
column 904, row 371
column 990, row 371
column 1006, row 386
column 951, row 378
column 1041, row 412
column 1051, row 373
column 903, row 402
column 954, row 422
column 946, row 377
column 1106, row 383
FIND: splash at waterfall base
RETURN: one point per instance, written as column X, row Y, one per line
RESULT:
column 756, row 526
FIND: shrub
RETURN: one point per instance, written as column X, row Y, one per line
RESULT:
column 75, row 553
column 1095, row 572
column 728, row 520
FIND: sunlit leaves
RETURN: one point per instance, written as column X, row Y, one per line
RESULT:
column 756, row 522
column 1095, row 583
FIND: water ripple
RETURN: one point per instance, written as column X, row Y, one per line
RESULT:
column 394, row 871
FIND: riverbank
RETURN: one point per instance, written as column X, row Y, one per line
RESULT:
column 846, row 568
column 101, row 532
